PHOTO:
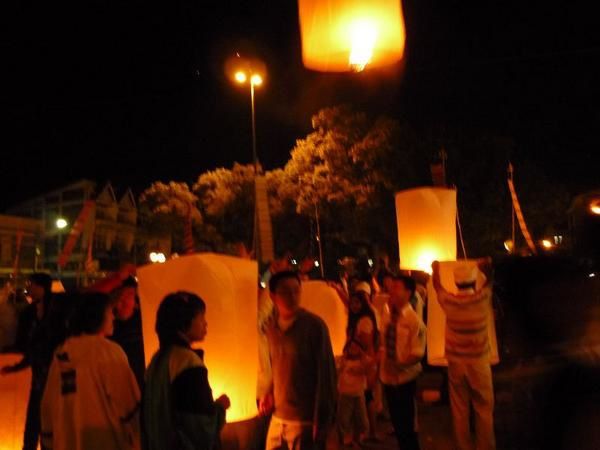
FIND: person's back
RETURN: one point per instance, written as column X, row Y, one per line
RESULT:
column 90, row 396
column 467, row 317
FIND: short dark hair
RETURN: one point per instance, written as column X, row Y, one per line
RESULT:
column 42, row 279
column 88, row 313
column 175, row 315
column 409, row 283
column 280, row 276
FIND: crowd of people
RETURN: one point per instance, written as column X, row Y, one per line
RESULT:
column 90, row 388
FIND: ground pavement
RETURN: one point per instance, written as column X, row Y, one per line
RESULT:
column 434, row 419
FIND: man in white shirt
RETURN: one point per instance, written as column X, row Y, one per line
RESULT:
column 401, row 350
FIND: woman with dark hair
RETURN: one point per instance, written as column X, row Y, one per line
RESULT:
column 91, row 400
column 37, row 338
column 178, row 407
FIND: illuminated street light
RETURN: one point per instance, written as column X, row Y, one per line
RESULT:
column 595, row 207
column 509, row 245
column 252, row 71
column 256, row 80
column 61, row 223
column 240, row 77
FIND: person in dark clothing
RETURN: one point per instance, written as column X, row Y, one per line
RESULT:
column 178, row 410
column 41, row 336
column 128, row 326
column 122, row 287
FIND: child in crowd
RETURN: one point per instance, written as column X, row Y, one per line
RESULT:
column 353, row 370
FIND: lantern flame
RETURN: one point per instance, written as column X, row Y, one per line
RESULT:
column 425, row 259
column 363, row 36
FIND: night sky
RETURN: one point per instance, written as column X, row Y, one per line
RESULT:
column 134, row 91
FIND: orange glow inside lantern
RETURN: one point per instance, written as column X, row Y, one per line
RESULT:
column 426, row 220
column 345, row 35
column 14, row 394
column 228, row 287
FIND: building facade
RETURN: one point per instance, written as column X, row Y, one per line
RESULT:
column 108, row 238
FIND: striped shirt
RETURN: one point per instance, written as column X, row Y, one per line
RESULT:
column 467, row 318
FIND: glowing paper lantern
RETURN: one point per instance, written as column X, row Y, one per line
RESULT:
column 322, row 300
column 426, row 227
column 436, row 318
column 228, row 286
column 14, row 393
column 344, row 35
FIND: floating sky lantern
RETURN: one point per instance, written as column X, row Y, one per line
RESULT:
column 426, row 227
column 228, row 286
column 346, row 35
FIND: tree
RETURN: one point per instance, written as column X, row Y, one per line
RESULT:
column 348, row 168
column 226, row 199
column 164, row 208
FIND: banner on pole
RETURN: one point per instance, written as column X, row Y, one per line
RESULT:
column 75, row 232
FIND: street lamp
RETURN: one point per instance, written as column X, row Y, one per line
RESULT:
column 255, row 79
column 252, row 71
column 61, row 223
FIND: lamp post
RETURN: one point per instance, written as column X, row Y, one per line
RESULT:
column 252, row 71
column 254, row 79
column 61, row 224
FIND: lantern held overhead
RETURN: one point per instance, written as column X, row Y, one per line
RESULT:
column 426, row 227
column 351, row 35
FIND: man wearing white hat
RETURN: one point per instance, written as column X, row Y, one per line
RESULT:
column 467, row 351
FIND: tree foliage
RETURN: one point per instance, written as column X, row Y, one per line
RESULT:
column 347, row 170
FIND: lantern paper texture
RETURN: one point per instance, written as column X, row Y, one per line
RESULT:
column 436, row 318
column 344, row 35
column 14, row 393
column 322, row 300
column 228, row 285
column 426, row 227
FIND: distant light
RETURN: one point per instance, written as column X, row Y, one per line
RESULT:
column 61, row 223
column 263, row 284
column 294, row 262
column 157, row 257
column 547, row 243
column 509, row 245
column 317, row 263
column 558, row 239
column 595, row 208
column 256, row 80
column 592, row 275
column 240, row 77
column 370, row 262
